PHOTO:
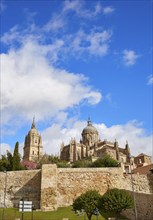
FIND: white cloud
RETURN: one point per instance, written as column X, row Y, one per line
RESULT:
column 55, row 135
column 93, row 97
column 99, row 42
column 95, row 43
column 54, row 24
column 108, row 10
column 32, row 86
column 11, row 35
column 98, row 8
column 4, row 148
column 150, row 80
column 132, row 132
column 72, row 5
column 60, row 46
column 79, row 8
column 17, row 36
column 130, row 57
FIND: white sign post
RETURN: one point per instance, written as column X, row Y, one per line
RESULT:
column 25, row 206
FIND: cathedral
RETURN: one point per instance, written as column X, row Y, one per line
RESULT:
column 32, row 145
column 91, row 146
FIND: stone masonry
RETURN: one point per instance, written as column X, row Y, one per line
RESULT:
column 20, row 184
column 49, row 188
column 52, row 187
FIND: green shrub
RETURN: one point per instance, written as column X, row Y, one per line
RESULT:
column 106, row 161
column 115, row 200
column 82, row 163
column 88, row 202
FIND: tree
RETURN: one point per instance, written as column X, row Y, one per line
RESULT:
column 4, row 163
column 87, row 201
column 16, row 158
column 10, row 161
column 115, row 200
column 106, row 161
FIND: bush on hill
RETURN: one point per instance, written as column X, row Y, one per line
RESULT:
column 82, row 163
column 106, row 161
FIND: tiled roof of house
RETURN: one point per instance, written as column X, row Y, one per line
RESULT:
column 143, row 170
column 142, row 154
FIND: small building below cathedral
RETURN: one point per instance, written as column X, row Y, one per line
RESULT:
column 32, row 145
column 142, row 160
column 91, row 146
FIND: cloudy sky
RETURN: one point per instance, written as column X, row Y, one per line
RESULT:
column 62, row 61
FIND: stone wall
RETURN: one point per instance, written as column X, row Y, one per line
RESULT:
column 71, row 182
column 54, row 187
column 144, row 207
column 20, row 184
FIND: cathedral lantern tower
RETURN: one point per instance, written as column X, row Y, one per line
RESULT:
column 33, row 144
column 89, row 134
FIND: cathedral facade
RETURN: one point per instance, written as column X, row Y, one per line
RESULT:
column 91, row 146
column 32, row 150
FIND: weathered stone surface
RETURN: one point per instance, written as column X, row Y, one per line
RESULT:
column 20, row 184
column 49, row 187
column 144, row 207
column 54, row 187
column 72, row 182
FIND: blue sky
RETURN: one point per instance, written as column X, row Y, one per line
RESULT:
column 62, row 61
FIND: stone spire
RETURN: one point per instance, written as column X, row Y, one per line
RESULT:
column 33, row 123
column 127, row 146
column 116, row 144
column 89, row 121
column 127, row 151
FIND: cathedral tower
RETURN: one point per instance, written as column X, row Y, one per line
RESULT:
column 33, row 144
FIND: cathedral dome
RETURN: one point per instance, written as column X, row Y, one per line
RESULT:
column 89, row 129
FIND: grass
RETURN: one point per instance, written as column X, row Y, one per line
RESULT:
column 64, row 212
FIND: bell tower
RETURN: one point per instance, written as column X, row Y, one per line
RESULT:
column 33, row 144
